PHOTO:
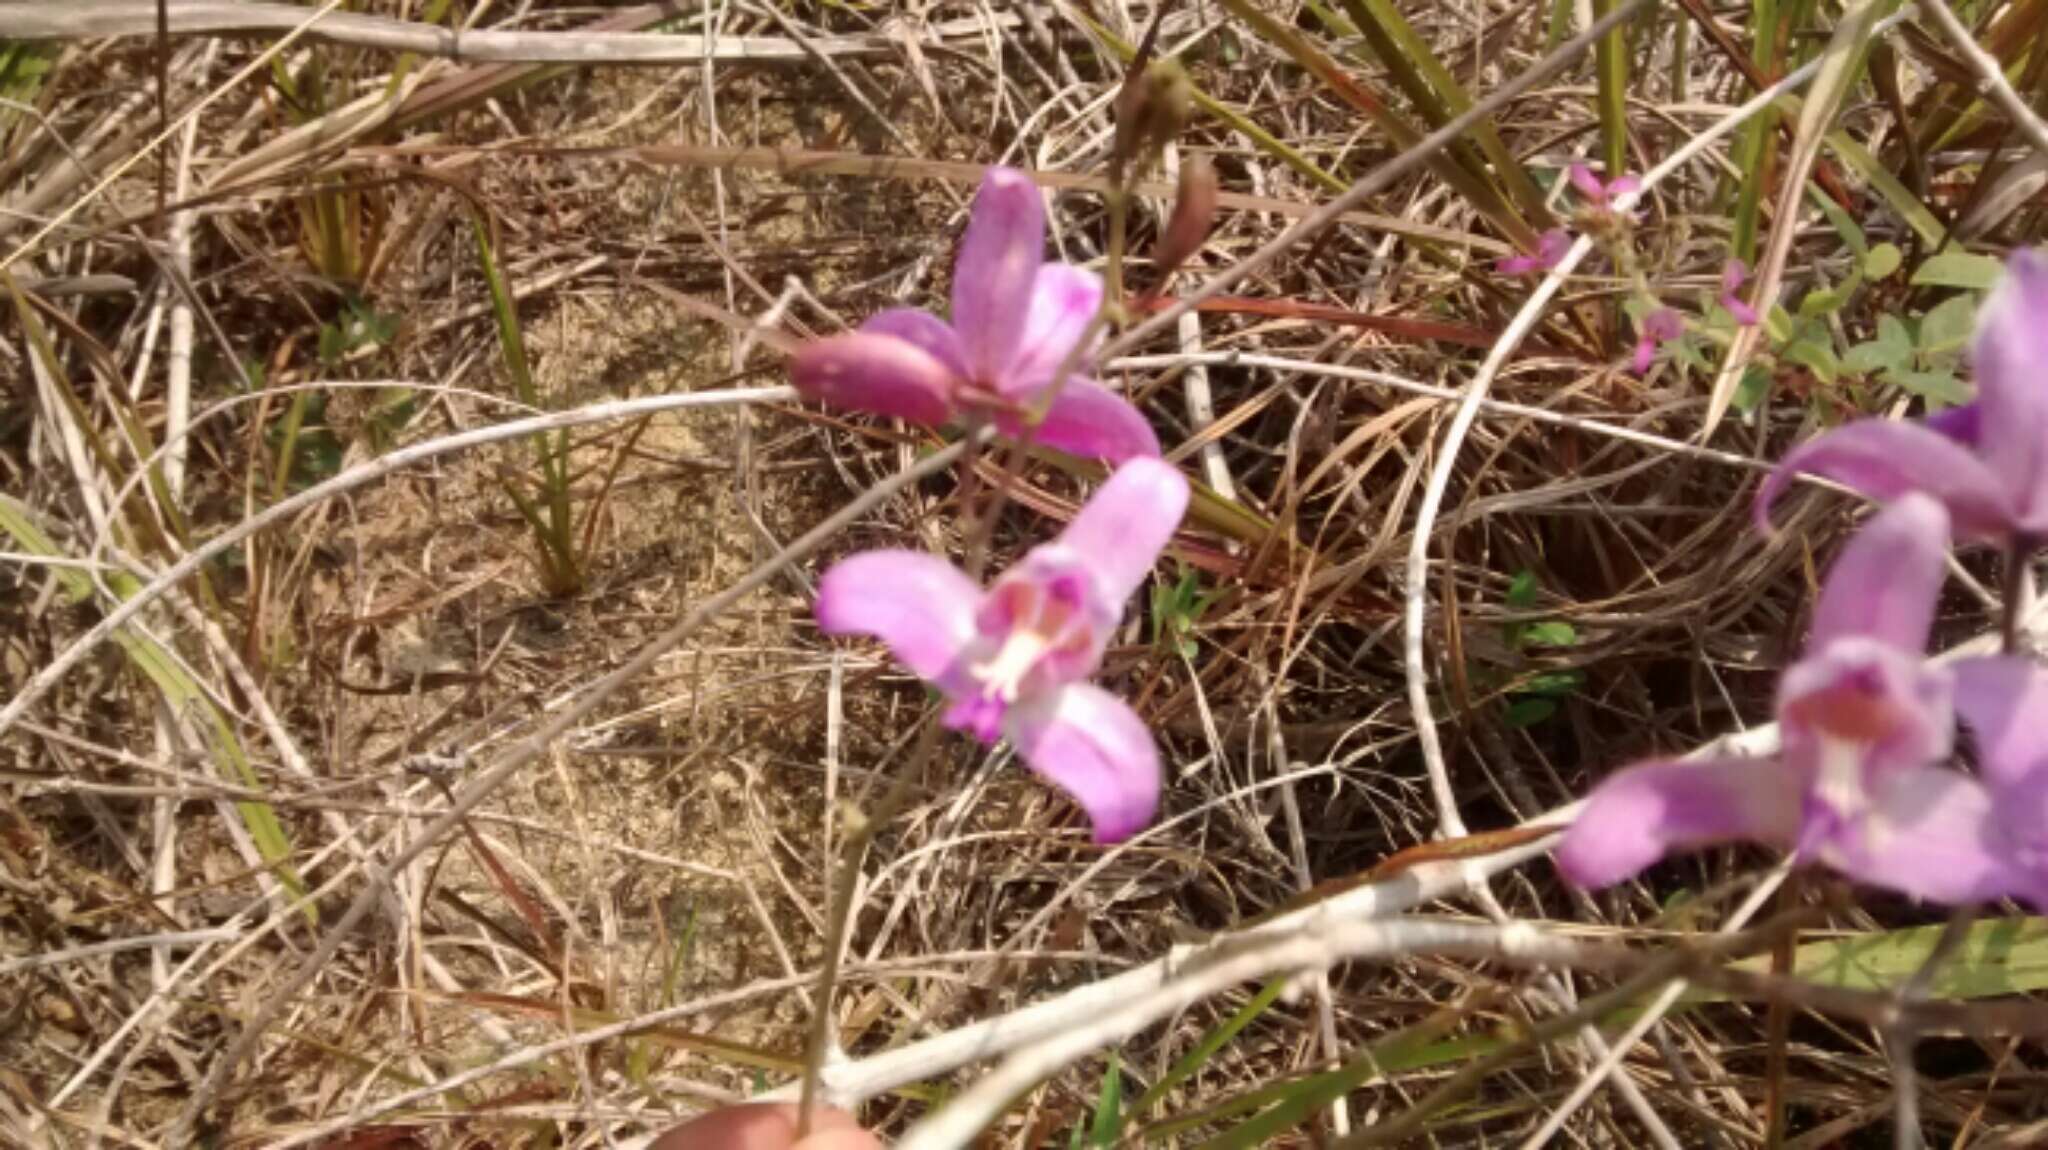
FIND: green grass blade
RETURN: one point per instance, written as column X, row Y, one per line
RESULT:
column 1611, row 62
column 1263, row 140
column 180, row 693
column 1293, row 1103
column 1400, row 133
column 561, row 567
column 1896, row 195
column 1193, row 1061
column 1997, row 957
column 1755, row 157
column 1437, row 96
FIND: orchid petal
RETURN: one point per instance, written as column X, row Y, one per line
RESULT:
column 1884, row 459
column 1884, row 708
column 1647, row 811
column 2009, row 354
column 1963, row 423
column 1646, row 353
column 1551, row 247
column 1089, row 420
column 1733, row 273
column 1886, row 581
column 999, row 260
column 879, row 373
column 2004, row 700
column 1092, row 745
column 1623, row 185
column 1064, row 301
column 1120, row 531
column 1588, row 184
column 924, row 329
column 1932, row 834
column 921, row 606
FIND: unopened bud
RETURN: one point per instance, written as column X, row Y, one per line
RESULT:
column 1194, row 213
column 1150, row 111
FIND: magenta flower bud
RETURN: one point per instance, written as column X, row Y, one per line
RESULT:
column 1655, row 329
column 1733, row 273
column 1551, row 247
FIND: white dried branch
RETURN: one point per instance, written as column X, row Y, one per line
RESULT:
column 101, row 19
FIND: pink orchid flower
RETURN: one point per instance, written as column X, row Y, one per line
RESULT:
column 1015, row 320
column 1864, row 718
column 1551, row 247
column 1655, row 329
column 1986, row 461
column 1600, row 194
column 1733, row 274
column 1014, row 659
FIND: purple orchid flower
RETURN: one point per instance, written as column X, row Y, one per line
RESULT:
column 1986, row 461
column 1014, row 659
column 1551, row 247
column 1655, row 329
column 1600, row 194
column 1863, row 719
column 1015, row 320
column 1733, row 274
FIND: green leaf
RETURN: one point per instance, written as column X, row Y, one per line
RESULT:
column 1958, row 269
column 1816, row 356
column 1778, row 323
column 1876, row 356
column 1948, row 327
column 1997, row 957
column 1529, row 712
column 1882, row 261
column 1896, row 195
column 1756, row 383
column 1522, row 589
column 1940, row 387
column 1551, row 634
column 1108, row 1126
column 1825, row 301
column 1553, row 683
column 1892, row 329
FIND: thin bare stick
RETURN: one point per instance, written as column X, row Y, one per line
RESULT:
column 1991, row 81
column 97, row 19
column 116, row 946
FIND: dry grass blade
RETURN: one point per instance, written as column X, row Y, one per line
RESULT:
column 418, row 723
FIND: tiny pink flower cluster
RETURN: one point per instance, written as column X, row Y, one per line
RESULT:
column 1660, row 325
column 1014, row 659
column 1862, row 782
